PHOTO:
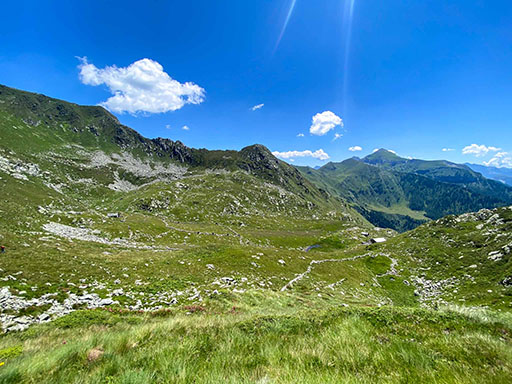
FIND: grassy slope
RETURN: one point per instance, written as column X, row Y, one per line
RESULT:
column 460, row 248
column 300, row 335
column 281, row 345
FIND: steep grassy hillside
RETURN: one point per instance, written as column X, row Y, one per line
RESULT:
column 460, row 259
column 57, row 128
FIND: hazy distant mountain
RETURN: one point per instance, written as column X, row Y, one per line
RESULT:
column 500, row 174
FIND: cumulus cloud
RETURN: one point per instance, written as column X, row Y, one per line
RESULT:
column 319, row 154
column 355, row 148
column 324, row 122
column 500, row 160
column 478, row 150
column 256, row 107
column 186, row 128
column 448, row 149
column 337, row 136
column 143, row 86
column 300, row 135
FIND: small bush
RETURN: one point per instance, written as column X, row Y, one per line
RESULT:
column 94, row 317
column 11, row 352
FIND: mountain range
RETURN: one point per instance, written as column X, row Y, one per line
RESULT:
column 394, row 192
column 383, row 188
column 500, row 174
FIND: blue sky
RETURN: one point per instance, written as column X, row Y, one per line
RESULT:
column 411, row 76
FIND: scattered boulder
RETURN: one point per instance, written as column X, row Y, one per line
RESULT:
column 495, row 256
column 507, row 281
column 94, row 354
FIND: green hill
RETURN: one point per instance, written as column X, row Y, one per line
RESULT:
column 70, row 143
column 443, row 171
column 399, row 193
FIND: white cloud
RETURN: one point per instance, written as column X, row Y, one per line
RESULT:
column 355, row 148
column 478, row 150
column 167, row 126
column 500, row 160
column 143, row 86
column 337, row 136
column 186, row 128
column 256, row 107
column 448, row 149
column 319, row 154
column 300, row 135
column 324, row 122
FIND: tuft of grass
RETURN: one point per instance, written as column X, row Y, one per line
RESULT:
column 11, row 352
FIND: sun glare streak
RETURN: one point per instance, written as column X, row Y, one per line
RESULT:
column 283, row 30
column 348, row 20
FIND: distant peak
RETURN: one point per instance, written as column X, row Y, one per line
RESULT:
column 385, row 151
column 256, row 147
column 383, row 155
column 257, row 150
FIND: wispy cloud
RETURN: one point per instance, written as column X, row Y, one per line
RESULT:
column 448, row 149
column 337, row 136
column 256, row 107
column 186, row 128
column 319, row 154
column 300, row 135
column 500, row 160
column 324, row 122
column 167, row 126
column 479, row 150
column 285, row 25
column 355, row 148
column 143, row 86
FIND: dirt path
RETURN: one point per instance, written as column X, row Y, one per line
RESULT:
column 314, row 262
